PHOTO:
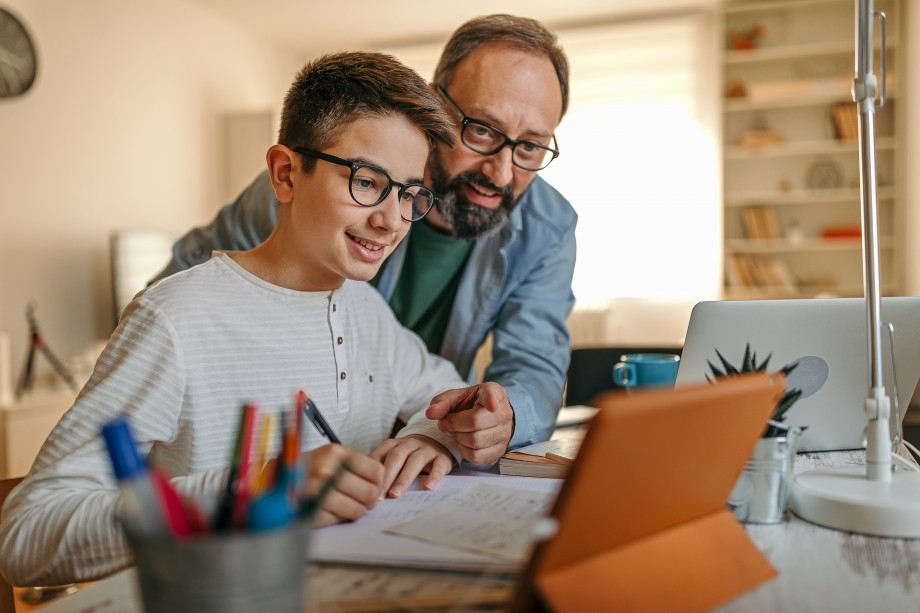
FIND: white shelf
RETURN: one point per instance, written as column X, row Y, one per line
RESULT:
column 746, row 105
column 802, row 197
column 802, row 291
column 799, row 148
column 806, row 245
column 739, row 8
column 796, row 52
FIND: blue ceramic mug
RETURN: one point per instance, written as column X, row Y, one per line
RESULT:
column 646, row 370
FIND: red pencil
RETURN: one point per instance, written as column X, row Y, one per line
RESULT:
column 244, row 472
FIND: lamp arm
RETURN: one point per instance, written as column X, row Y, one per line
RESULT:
column 865, row 91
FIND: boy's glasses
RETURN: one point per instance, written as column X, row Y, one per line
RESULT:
column 369, row 186
column 489, row 140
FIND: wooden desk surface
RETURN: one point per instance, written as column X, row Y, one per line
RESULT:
column 820, row 570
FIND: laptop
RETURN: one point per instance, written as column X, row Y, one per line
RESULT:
column 827, row 337
column 642, row 518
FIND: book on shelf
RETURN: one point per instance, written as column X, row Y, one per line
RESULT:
column 760, row 221
column 783, row 276
column 736, row 273
column 846, row 122
column 745, row 270
column 751, row 221
column 774, row 274
column 548, row 459
column 760, row 269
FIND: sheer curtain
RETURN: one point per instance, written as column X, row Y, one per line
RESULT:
column 639, row 157
column 640, row 160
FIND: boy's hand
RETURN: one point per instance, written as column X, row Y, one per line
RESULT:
column 406, row 458
column 479, row 418
column 357, row 489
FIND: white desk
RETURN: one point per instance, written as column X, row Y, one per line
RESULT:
column 820, row 570
column 829, row 570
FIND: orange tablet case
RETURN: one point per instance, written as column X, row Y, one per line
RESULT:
column 642, row 521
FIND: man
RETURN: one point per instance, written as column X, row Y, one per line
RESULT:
column 497, row 253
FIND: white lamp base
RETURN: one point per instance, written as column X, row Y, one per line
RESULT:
column 844, row 499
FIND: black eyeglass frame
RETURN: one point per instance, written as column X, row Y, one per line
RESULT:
column 355, row 166
column 466, row 120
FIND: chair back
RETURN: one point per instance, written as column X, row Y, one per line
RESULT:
column 591, row 370
column 7, row 602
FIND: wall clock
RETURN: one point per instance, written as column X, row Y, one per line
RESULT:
column 17, row 57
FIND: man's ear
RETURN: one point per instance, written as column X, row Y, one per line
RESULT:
column 281, row 165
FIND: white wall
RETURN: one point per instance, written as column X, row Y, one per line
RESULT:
column 120, row 131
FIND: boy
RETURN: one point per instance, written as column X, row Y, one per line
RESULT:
column 356, row 130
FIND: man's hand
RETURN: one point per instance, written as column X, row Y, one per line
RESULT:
column 355, row 491
column 406, row 458
column 479, row 418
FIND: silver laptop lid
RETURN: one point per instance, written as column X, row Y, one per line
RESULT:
column 828, row 338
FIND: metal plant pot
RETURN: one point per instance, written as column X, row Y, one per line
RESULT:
column 761, row 494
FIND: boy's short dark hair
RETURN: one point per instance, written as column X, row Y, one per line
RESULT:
column 331, row 92
column 520, row 32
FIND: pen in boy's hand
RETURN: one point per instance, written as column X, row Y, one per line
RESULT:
column 312, row 412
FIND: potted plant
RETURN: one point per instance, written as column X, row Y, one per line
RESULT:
column 749, row 364
column 761, row 493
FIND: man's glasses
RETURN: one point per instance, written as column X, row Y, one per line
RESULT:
column 488, row 140
column 369, row 186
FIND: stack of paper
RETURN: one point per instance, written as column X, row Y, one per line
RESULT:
column 549, row 459
column 370, row 540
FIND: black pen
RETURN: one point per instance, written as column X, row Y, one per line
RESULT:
column 316, row 417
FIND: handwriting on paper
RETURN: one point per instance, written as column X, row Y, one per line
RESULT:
column 486, row 518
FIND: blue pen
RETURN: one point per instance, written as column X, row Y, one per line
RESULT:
column 140, row 508
column 312, row 412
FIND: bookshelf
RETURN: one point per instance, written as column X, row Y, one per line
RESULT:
column 790, row 160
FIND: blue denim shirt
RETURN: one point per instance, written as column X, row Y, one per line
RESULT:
column 517, row 285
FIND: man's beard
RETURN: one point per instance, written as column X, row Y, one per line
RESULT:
column 467, row 219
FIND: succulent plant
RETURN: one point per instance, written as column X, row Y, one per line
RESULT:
column 749, row 364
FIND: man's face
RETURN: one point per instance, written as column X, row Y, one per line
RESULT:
column 514, row 91
column 332, row 238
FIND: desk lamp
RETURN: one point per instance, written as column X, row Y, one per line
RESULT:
column 872, row 500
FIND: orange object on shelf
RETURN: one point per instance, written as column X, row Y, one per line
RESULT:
column 842, row 232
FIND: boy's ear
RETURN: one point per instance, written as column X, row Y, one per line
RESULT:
column 281, row 165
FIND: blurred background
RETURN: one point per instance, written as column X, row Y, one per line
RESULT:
column 145, row 118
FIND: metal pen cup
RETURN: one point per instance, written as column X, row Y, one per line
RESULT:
column 227, row 573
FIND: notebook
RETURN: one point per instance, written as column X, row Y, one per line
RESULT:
column 642, row 521
column 828, row 338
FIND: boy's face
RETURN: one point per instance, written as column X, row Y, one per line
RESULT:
column 332, row 238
